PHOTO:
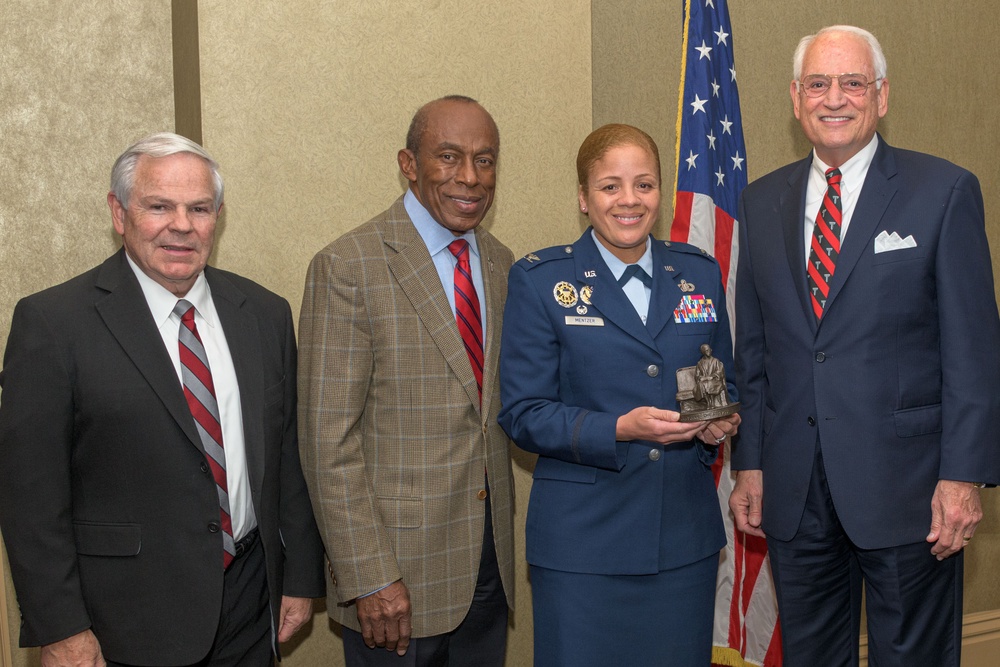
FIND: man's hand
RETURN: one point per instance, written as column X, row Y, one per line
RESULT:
column 293, row 615
column 955, row 512
column 385, row 618
column 80, row 650
column 655, row 425
column 746, row 501
column 717, row 430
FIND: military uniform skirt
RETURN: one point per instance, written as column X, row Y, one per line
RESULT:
column 597, row 620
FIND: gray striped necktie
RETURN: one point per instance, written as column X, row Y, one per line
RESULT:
column 199, row 390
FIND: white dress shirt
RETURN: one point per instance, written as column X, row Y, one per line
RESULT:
column 161, row 304
column 852, row 179
column 636, row 291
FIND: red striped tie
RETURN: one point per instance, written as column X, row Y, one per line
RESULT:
column 825, row 244
column 199, row 390
column 467, row 313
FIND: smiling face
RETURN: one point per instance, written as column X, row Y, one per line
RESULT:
column 453, row 171
column 622, row 199
column 168, row 228
column 837, row 124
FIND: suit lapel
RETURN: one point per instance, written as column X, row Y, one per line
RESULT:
column 873, row 201
column 608, row 297
column 243, row 339
column 791, row 206
column 412, row 267
column 493, row 285
column 127, row 317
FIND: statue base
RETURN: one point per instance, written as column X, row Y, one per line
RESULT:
column 710, row 413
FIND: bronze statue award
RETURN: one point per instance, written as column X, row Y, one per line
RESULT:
column 701, row 390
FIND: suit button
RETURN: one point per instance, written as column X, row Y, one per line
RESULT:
column 820, row 357
column 654, row 455
column 204, row 467
column 811, row 421
column 652, row 370
column 484, row 429
column 482, row 494
column 213, row 527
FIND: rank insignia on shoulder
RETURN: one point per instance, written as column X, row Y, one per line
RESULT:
column 531, row 257
column 694, row 309
column 565, row 294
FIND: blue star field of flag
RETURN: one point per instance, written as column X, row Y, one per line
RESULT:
column 712, row 153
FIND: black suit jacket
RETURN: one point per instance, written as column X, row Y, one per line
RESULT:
column 108, row 509
column 898, row 382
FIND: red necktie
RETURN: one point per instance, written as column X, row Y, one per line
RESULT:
column 199, row 390
column 825, row 244
column 467, row 313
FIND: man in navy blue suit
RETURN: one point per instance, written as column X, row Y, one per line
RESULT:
column 867, row 364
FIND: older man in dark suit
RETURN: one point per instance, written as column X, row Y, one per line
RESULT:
column 152, row 501
column 868, row 365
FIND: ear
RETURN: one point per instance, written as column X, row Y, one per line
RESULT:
column 407, row 164
column 883, row 98
column 117, row 213
column 582, row 196
column 796, row 98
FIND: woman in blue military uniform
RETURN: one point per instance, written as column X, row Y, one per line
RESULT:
column 624, row 527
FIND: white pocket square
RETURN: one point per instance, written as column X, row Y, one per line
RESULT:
column 886, row 242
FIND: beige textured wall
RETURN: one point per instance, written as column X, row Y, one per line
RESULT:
column 943, row 77
column 306, row 104
column 73, row 94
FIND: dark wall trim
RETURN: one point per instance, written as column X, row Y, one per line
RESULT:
column 187, row 69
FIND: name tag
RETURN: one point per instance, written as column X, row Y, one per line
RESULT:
column 580, row 321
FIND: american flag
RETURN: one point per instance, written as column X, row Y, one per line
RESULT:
column 711, row 174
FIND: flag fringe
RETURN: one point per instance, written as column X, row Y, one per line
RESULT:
column 723, row 656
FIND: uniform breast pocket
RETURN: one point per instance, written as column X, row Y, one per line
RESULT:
column 703, row 329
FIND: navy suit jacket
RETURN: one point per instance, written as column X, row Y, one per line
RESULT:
column 599, row 506
column 108, row 508
column 899, row 382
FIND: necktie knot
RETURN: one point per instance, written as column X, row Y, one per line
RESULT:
column 638, row 272
column 459, row 248
column 833, row 176
column 184, row 310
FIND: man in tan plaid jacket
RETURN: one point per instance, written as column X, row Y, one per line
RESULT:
column 408, row 470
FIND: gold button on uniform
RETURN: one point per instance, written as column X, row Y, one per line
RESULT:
column 482, row 494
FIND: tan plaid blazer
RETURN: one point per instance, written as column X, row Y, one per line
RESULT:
column 392, row 439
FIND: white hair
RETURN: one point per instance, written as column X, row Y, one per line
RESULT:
column 878, row 57
column 160, row 144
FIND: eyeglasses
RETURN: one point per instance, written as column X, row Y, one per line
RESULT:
column 818, row 85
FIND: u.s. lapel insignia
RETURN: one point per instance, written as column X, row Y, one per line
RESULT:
column 590, row 274
column 669, row 268
column 686, row 286
column 565, row 294
column 585, row 293
column 531, row 257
